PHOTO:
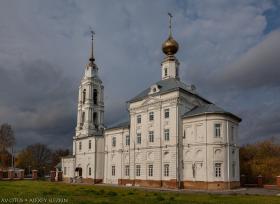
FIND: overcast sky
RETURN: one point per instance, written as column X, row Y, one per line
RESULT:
column 230, row 50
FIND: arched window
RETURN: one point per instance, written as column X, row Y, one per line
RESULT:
column 84, row 96
column 95, row 96
column 165, row 71
column 83, row 118
column 95, row 119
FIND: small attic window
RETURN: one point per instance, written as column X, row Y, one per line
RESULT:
column 154, row 89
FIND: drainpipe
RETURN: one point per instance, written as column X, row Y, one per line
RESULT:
column 122, row 156
column 228, row 155
column 95, row 158
column 206, row 153
column 160, row 144
column 178, row 148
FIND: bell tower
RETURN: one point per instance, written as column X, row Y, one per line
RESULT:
column 90, row 115
column 170, row 64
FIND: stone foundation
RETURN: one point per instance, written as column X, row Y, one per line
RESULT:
column 59, row 176
column 278, row 181
column 21, row 174
column 11, row 174
column 185, row 184
column 34, row 174
column 52, row 176
column 217, row 185
column 149, row 183
column 91, row 180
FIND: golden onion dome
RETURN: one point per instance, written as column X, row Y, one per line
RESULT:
column 170, row 46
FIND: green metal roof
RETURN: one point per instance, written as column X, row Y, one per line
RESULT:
column 166, row 86
column 208, row 109
column 119, row 125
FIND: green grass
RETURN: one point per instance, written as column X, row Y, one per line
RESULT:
column 28, row 191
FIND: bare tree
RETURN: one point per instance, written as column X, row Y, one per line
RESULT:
column 7, row 138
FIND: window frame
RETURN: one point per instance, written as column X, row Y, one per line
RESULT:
column 114, row 141
column 151, row 136
column 150, row 170
column 166, row 170
column 167, row 134
column 113, row 170
column 126, row 170
column 138, row 170
column 80, row 145
column 166, row 113
column 89, row 145
column 151, row 116
column 138, row 138
column 84, row 94
column 233, row 169
column 217, row 130
column 95, row 97
column 89, row 171
column 138, row 119
column 218, row 169
column 127, row 140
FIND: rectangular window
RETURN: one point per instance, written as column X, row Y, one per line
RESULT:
column 151, row 116
column 150, row 170
column 80, row 146
column 166, row 113
column 127, row 140
column 89, row 144
column 217, row 169
column 165, row 71
column 127, row 170
column 232, row 133
column 138, row 138
column 138, row 170
column 113, row 170
column 89, row 171
column 65, row 170
column 166, row 169
column 217, row 130
column 114, row 141
column 151, row 136
column 166, row 134
column 138, row 119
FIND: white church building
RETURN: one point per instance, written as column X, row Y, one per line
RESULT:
column 174, row 138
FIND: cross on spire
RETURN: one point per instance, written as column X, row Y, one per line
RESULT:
column 170, row 18
column 91, row 54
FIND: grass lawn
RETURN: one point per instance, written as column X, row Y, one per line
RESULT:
column 47, row 192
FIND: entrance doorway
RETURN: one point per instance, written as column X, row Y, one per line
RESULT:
column 79, row 171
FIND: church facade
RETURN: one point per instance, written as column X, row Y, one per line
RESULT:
column 174, row 138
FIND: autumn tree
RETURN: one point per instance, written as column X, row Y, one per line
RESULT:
column 262, row 158
column 37, row 156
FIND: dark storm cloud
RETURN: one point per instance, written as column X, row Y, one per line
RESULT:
column 258, row 67
column 37, row 99
column 226, row 50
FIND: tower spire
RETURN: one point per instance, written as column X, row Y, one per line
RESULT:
column 91, row 59
column 170, row 64
column 170, row 46
column 170, row 18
